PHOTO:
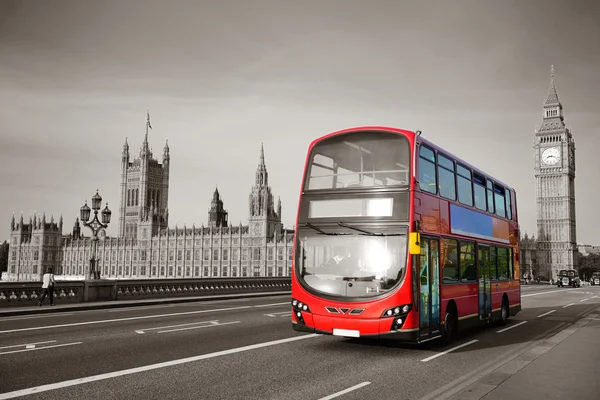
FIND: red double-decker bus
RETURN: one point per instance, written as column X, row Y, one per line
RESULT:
column 397, row 238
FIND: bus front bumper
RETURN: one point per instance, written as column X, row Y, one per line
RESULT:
column 371, row 329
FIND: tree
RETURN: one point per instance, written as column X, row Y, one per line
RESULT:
column 588, row 264
column 4, row 256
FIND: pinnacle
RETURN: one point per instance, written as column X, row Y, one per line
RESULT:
column 552, row 97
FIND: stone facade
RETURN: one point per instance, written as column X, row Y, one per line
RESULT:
column 34, row 247
column 554, row 155
column 146, row 248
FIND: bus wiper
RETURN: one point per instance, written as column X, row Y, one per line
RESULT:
column 308, row 224
column 367, row 232
column 359, row 230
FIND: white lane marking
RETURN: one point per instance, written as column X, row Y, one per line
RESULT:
column 274, row 304
column 212, row 323
column 190, row 304
column 568, row 305
column 549, row 312
column 582, row 300
column 594, row 297
column 138, row 317
column 115, row 374
column 510, row 327
column 200, row 326
column 280, row 314
column 551, row 291
column 140, row 308
column 26, row 344
column 449, row 351
column 34, row 316
column 341, row 392
column 40, row 348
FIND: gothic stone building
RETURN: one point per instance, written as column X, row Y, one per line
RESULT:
column 554, row 157
column 34, row 247
column 147, row 248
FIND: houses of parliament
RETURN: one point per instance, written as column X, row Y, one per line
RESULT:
column 146, row 247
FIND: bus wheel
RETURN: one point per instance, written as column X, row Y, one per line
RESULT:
column 504, row 312
column 450, row 327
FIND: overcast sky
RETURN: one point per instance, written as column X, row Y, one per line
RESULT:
column 219, row 77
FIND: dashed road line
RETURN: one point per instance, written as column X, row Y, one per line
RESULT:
column 341, row 392
column 568, row 305
column 510, row 327
column 449, row 350
column 548, row 313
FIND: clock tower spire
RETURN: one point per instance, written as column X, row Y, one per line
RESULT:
column 554, row 157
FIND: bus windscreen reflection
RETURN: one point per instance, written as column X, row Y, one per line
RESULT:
column 352, row 265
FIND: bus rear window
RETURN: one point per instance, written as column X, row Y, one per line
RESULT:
column 359, row 159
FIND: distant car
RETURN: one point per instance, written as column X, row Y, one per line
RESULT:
column 568, row 277
column 595, row 279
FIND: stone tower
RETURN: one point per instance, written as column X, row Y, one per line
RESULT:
column 34, row 247
column 144, row 191
column 264, row 220
column 554, row 157
column 217, row 215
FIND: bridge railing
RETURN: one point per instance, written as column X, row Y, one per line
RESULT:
column 14, row 294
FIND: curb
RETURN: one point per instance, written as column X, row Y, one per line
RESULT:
column 145, row 302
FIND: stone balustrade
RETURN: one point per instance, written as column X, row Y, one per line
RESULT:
column 14, row 294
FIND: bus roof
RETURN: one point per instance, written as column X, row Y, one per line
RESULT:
column 421, row 140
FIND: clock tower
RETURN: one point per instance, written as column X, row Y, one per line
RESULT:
column 554, row 157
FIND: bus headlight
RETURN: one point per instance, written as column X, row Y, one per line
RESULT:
column 397, row 311
column 298, row 308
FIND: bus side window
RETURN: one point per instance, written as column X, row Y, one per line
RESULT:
column 427, row 178
column 490, row 197
column 508, row 194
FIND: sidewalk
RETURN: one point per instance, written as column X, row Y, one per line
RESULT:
column 565, row 366
column 98, row 305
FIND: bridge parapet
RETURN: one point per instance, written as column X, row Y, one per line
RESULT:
column 14, row 294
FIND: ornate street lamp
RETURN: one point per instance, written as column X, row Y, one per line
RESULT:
column 96, row 226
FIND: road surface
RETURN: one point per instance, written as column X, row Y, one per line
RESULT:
column 246, row 349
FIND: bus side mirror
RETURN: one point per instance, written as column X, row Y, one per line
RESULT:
column 414, row 243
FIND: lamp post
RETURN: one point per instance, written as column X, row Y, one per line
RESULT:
column 96, row 226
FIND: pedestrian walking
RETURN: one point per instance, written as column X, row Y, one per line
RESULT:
column 48, row 286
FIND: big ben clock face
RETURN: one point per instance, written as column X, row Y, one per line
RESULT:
column 551, row 156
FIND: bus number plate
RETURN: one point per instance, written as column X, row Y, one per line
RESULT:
column 346, row 333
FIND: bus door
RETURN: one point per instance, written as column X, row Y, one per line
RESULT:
column 429, row 287
column 485, row 284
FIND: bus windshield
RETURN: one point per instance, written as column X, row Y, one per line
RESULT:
column 359, row 159
column 351, row 264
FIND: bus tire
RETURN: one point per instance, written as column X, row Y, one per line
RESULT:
column 450, row 326
column 504, row 312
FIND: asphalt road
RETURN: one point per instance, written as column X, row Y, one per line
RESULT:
column 246, row 349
